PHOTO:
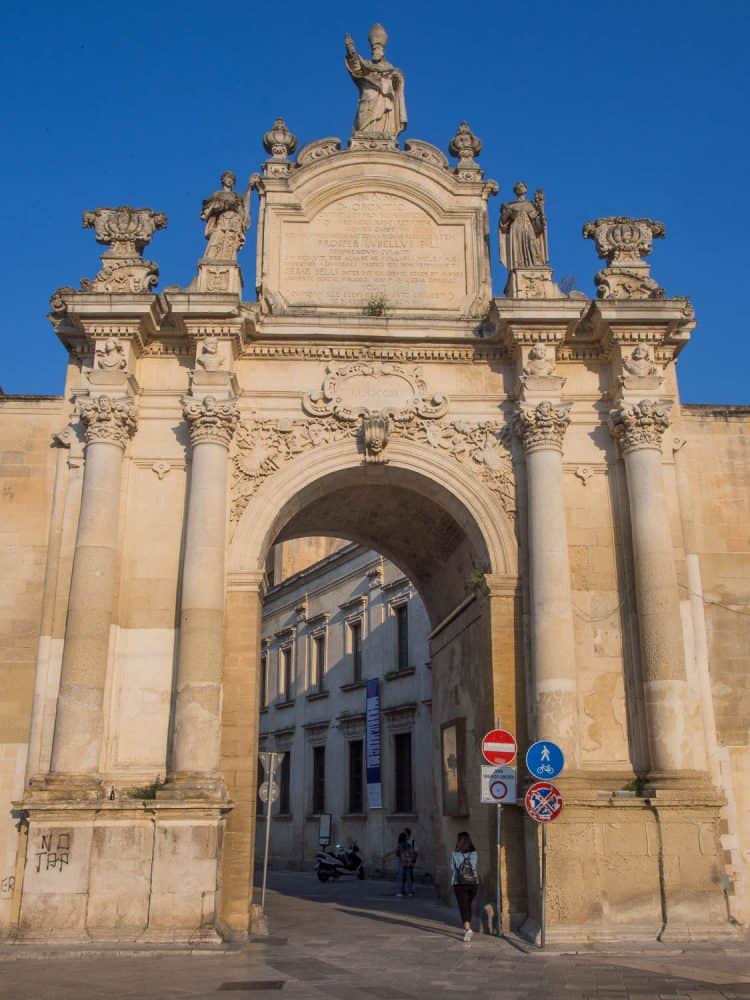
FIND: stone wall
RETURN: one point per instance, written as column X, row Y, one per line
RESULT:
column 27, row 471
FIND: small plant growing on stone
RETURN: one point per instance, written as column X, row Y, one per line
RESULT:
column 148, row 791
column 637, row 785
column 376, row 306
column 476, row 581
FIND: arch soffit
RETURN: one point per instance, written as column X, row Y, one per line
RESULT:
column 443, row 481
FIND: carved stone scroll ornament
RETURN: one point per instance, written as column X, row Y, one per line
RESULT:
column 543, row 425
column 127, row 231
column 624, row 242
column 107, row 420
column 210, row 420
column 426, row 152
column 321, row 149
column 351, row 391
column 641, row 425
column 262, row 447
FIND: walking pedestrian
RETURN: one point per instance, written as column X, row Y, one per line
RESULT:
column 465, row 879
column 408, row 856
column 398, row 853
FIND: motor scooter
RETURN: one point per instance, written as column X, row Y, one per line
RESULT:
column 334, row 864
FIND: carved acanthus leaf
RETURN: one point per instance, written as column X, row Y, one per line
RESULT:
column 210, row 420
column 543, row 425
column 107, row 420
column 641, row 425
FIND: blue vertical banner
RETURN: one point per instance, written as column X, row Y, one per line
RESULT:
column 373, row 755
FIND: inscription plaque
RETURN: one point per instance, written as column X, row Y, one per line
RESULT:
column 373, row 247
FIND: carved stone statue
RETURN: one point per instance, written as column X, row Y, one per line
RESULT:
column 227, row 218
column 381, row 110
column 111, row 356
column 539, row 362
column 523, row 231
column 639, row 363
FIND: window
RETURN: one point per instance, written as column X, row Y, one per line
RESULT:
column 356, row 797
column 263, row 695
column 284, row 778
column 318, row 662
column 319, row 780
column 402, row 637
column 404, row 791
column 286, row 672
column 355, row 638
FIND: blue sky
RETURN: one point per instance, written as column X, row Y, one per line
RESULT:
column 632, row 109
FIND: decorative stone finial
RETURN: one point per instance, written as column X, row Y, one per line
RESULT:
column 624, row 242
column 542, row 426
column 465, row 146
column 381, row 111
column 127, row 231
column 279, row 141
column 107, row 420
column 210, row 420
column 641, row 425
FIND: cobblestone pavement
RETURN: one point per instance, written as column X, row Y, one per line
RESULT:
column 357, row 941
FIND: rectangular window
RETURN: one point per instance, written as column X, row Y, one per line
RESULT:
column 284, row 778
column 318, row 662
column 355, row 637
column 404, row 791
column 402, row 637
column 263, row 683
column 286, row 672
column 319, row 780
column 356, row 796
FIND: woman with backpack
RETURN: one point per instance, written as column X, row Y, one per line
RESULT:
column 465, row 879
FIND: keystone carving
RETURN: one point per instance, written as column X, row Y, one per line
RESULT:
column 624, row 242
column 107, row 420
column 641, row 425
column 127, row 231
column 210, row 420
column 542, row 426
column 375, row 431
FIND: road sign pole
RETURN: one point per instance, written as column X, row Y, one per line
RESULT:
column 271, row 757
column 544, row 885
column 499, row 886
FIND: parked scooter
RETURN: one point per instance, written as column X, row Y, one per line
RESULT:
column 334, row 864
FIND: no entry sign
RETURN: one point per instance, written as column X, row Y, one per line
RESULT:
column 543, row 802
column 499, row 746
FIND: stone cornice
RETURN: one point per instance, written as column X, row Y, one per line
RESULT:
column 210, row 420
column 542, row 427
column 641, row 425
column 99, row 315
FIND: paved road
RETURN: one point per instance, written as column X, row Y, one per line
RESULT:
column 357, row 941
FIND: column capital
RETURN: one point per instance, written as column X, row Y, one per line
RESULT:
column 542, row 426
column 107, row 420
column 210, row 420
column 640, row 425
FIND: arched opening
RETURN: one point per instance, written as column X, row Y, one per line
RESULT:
column 446, row 538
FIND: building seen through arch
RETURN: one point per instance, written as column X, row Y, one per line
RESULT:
column 576, row 536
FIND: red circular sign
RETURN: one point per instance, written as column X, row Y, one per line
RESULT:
column 543, row 802
column 499, row 746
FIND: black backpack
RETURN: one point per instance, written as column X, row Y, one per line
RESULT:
column 465, row 874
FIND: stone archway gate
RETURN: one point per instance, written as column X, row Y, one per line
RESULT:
column 374, row 350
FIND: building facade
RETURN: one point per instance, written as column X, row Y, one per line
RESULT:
column 577, row 536
column 327, row 630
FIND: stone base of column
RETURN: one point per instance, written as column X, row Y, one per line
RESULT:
column 690, row 783
column 185, row 786
column 65, row 787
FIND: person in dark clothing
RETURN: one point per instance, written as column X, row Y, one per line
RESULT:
column 465, row 879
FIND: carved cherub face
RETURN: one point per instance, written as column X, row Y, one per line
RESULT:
column 537, row 353
column 639, row 353
column 110, row 345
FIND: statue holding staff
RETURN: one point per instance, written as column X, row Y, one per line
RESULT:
column 227, row 218
column 523, row 231
column 382, row 109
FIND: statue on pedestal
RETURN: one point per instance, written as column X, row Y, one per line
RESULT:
column 523, row 231
column 227, row 218
column 381, row 111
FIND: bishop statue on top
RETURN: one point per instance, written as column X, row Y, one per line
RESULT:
column 381, row 111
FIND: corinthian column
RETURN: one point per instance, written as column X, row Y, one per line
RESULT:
column 196, row 736
column 109, row 424
column 542, row 429
column 639, row 429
